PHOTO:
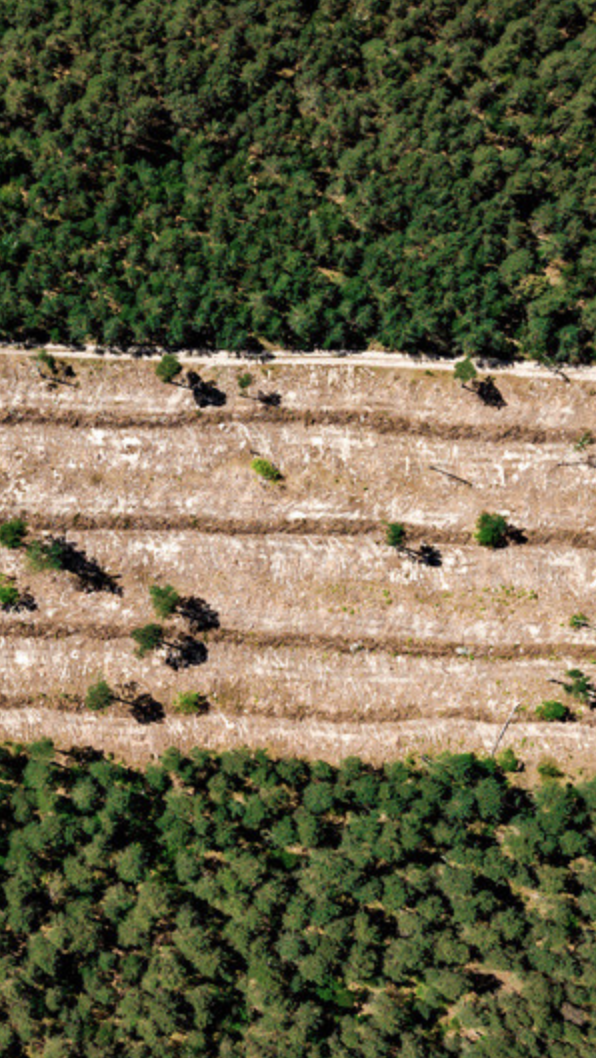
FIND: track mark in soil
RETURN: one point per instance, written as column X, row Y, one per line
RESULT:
column 323, row 527
column 398, row 646
column 380, row 421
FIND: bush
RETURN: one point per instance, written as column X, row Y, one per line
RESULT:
column 12, row 533
column 45, row 555
column 548, row 770
column 507, row 761
column 165, row 600
column 552, row 711
column 395, row 534
column 99, row 696
column 580, row 686
column 191, row 703
column 266, row 470
column 44, row 359
column 579, row 620
column 464, row 371
column 245, row 380
column 9, row 594
column 168, row 367
column 147, row 638
column 491, row 530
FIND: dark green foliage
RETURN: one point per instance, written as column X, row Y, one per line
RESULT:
column 191, row 703
column 245, row 380
column 168, row 368
column 578, row 621
column 13, row 533
column 9, row 594
column 491, row 530
column 395, row 534
column 210, row 175
column 580, row 686
column 465, row 371
column 552, row 710
column 165, row 600
column 44, row 359
column 236, row 905
column 43, row 555
column 99, row 696
column 266, row 470
column 147, row 638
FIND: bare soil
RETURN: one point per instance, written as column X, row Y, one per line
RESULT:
column 330, row 642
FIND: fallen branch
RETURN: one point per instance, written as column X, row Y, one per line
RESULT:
column 455, row 477
column 504, row 728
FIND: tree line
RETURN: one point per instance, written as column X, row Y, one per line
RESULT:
column 309, row 174
column 237, row 905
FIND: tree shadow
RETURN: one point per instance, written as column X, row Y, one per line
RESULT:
column 26, row 603
column 90, row 575
column 489, row 393
column 270, row 400
column 515, row 536
column 205, row 394
column 429, row 555
column 186, row 652
column 85, row 754
column 146, row 710
column 200, row 616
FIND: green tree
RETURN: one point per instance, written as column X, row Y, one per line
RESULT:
column 395, row 535
column 191, row 703
column 168, row 368
column 165, row 600
column 491, row 530
column 266, row 470
column 148, row 638
column 13, row 532
column 99, row 696
column 464, row 371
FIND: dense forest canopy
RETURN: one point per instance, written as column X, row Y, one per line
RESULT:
column 309, row 173
column 240, row 907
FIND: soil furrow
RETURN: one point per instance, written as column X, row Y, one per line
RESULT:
column 294, row 526
column 378, row 421
column 262, row 640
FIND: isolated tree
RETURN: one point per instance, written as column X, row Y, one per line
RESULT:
column 551, row 710
column 191, row 703
column 580, row 686
column 168, row 368
column 395, row 535
column 9, row 594
column 245, row 380
column 148, row 638
column 491, row 530
column 45, row 555
column 266, row 470
column 99, row 696
column 165, row 600
column 579, row 621
column 464, row 371
column 45, row 359
column 12, row 533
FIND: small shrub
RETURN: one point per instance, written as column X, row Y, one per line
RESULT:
column 552, row 711
column 9, row 594
column 245, row 380
column 491, row 530
column 147, row 638
column 165, row 600
column 99, row 696
column 548, row 769
column 168, row 367
column 45, row 555
column 464, row 371
column 395, row 534
column 12, row 533
column 578, row 621
column 191, row 703
column 584, row 441
column 507, row 761
column 580, row 686
column 266, row 470
column 44, row 359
